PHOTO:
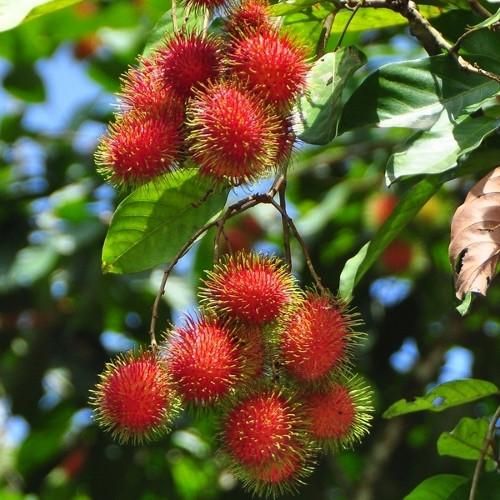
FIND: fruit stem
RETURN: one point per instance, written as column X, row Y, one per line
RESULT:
column 286, row 227
column 173, row 11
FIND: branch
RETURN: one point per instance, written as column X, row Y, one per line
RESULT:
column 284, row 222
column 488, row 442
column 479, row 9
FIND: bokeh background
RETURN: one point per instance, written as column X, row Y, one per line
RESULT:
column 61, row 319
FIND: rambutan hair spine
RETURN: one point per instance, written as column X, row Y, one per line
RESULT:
column 251, row 288
column 264, row 441
column 205, row 358
column 232, row 135
column 339, row 414
column 134, row 398
column 319, row 341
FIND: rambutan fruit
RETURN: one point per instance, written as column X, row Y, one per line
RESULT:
column 281, row 475
column 204, row 360
column 286, row 138
column 250, row 288
column 188, row 61
column 139, row 146
column 248, row 16
column 272, row 64
column 259, row 428
column 134, row 398
column 145, row 88
column 233, row 136
column 251, row 342
column 397, row 257
column 339, row 415
column 318, row 338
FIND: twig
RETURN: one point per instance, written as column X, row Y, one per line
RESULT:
column 477, row 7
column 284, row 222
column 488, row 440
column 351, row 17
column 173, row 10
column 325, row 33
column 305, row 251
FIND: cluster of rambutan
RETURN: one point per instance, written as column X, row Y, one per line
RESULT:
column 219, row 101
column 273, row 360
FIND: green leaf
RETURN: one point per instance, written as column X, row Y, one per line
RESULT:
column 444, row 396
column 413, row 94
column 13, row 13
column 466, row 440
column 464, row 306
column 439, row 487
column 318, row 112
column 357, row 266
column 490, row 21
column 152, row 223
column 438, row 149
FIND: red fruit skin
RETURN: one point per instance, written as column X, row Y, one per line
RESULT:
column 259, row 429
column 204, row 360
column 331, row 413
column 240, row 235
column 397, row 257
column 286, row 139
column 73, row 463
column 188, row 61
column 248, row 17
column 252, row 347
column 233, row 137
column 134, row 399
column 271, row 64
column 139, row 146
column 145, row 88
column 315, row 341
column 249, row 288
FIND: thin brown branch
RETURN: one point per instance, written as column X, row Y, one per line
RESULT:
column 325, row 33
column 298, row 237
column 286, row 228
column 488, row 443
column 479, row 9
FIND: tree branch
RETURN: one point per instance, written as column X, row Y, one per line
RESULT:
column 488, row 442
column 477, row 7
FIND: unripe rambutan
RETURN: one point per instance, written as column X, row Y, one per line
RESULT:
column 247, row 17
column 233, row 137
column 271, row 64
column 250, row 288
column 318, row 338
column 134, row 398
column 139, row 146
column 339, row 415
column 204, row 360
column 145, row 88
column 260, row 428
column 189, row 61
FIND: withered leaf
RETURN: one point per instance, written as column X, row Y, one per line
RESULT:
column 475, row 236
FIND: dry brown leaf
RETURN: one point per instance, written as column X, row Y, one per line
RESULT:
column 475, row 237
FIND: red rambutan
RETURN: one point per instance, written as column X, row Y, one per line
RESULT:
column 272, row 64
column 339, row 415
column 252, row 347
column 250, row 288
column 233, row 136
column 145, row 88
column 317, row 339
column 134, row 398
column 139, row 146
column 247, row 17
column 286, row 138
column 204, row 360
column 260, row 428
column 189, row 61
